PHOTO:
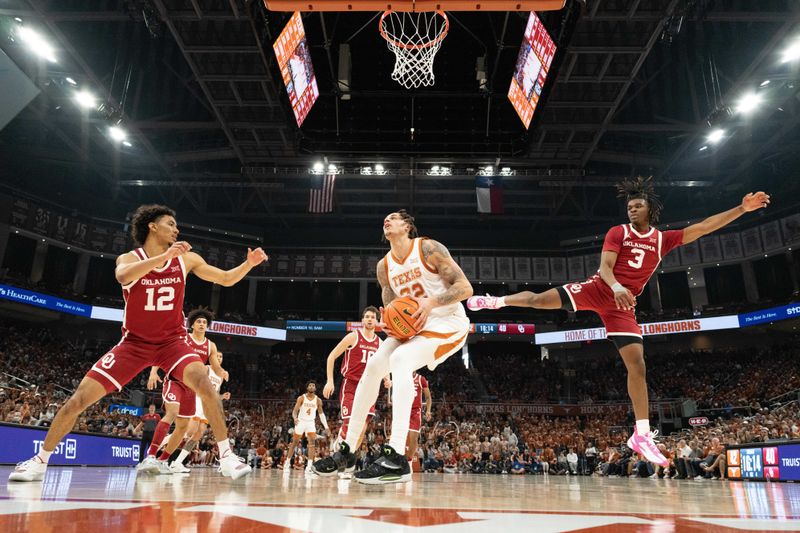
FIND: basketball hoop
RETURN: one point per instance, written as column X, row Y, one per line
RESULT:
column 414, row 38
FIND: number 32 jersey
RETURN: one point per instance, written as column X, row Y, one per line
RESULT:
column 639, row 253
column 154, row 303
column 413, row 276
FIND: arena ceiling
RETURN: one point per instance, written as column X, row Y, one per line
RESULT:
column 195, row 84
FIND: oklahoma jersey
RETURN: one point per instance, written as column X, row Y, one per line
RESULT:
column 413, row 276
column 420, row 383
column 639, row 253
column 202, row 349
column 154, row 303
column 355, row 359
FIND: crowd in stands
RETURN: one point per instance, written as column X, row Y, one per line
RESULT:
column 39, row 369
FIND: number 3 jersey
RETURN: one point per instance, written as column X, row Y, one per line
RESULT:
column 154, row 303
column 413, row 276
column 639, row 253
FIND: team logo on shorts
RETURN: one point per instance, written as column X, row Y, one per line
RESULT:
column 344, row 410
column 171, row 397
column 108, row 360
column 575, row 288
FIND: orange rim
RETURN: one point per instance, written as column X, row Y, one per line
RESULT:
column 408, row 46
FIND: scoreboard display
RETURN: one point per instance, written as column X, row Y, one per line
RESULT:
column 771, row 461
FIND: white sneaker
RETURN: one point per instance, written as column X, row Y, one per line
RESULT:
column 178, row 468
column 233, row 466
column 148, row 466
column 31, row 470
column 163, row 468
column 478, row 303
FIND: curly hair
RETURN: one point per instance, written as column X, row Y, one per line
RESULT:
column 642, row 188
column 200, row 312
column 413, row 233
column 143, row 216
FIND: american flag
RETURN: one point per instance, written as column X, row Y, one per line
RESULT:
column 320, row 196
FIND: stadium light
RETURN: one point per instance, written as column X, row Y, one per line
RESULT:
column 366, row 171
column 37, row 44
column 716, row 136
column 318, row 167
column 793, row 52
column 117, row 134
column 332, row 168
column 765, row 83
column 703, row 148
column 378, row 168
column 127, row 144
column 748, row 103
column 85, row 99
column 70, row 81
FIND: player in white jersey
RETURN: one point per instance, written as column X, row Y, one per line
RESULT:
column 305, row 418
column 197, row 427
column 423, row 269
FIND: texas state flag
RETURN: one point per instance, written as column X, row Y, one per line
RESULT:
column 489, row 190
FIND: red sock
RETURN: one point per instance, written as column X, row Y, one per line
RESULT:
column 343, row 430
column 164, row 455
column 161, row 431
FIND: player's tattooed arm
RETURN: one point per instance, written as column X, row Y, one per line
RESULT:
column 387, row 294
column 437, row 256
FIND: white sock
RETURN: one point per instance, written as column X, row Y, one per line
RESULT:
column 181, row 457
column 643, row 426
column 402, row 398
column 224, row 448
column 44, row 455
column 368, row 389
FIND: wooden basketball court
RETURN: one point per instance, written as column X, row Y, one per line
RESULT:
column 86, row 500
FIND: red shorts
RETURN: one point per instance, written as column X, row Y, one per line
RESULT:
column 346, row 395
column 416, row 420
column 594, row 295
column 127, row 359
column 176, row 392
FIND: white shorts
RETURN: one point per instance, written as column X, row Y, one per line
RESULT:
column 304, row 427
column 442, row 336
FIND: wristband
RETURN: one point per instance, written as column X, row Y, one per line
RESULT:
column 617, row 287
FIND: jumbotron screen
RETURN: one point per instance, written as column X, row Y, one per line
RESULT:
column 533, row 65
column 294, row 59
column 773, row 461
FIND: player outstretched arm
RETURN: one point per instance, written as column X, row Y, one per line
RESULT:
column 426, row 393
column 437, row 255
column 130, row 268
column 322, row 415
column 345, row 344
column 226, row 278
column 153, row 380
column 751, row 202
column 296, row 411
column 623, row 297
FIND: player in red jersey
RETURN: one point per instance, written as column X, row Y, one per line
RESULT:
column 179, row 400
column 153, row 280
column 631, row 253
column 421, row 389
column 357, row 346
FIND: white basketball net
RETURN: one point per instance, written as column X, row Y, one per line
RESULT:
column 414, row 38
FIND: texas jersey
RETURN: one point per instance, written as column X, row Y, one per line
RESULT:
column 154, row 303
column 355, row 359
column 420, row 383
column 413, row 276
column 639, row 253
column 203, row 349
column 308, row 411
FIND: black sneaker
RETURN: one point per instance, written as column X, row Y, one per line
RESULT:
column 390, row 467
column 338, row 462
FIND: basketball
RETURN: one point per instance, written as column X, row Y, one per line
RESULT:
column 397, row 317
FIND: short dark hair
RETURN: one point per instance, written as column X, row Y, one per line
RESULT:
column 200, row 312
column 143, row 216
column 408, row 219
column 310, row 382
column 644, row 189
column 370, row 308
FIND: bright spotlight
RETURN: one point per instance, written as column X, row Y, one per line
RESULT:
column 318, row 167
column 117, row 133
column 715, row 136
column 793, row 52
column 765, row 83
column 126, row 144
column 435, row 168
column 332, row 168
column 748, row 103
column 490, row 168
column 37, row 43
column 703, row 148
column 85, row 99
column 378, row 168
column 70, row 81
